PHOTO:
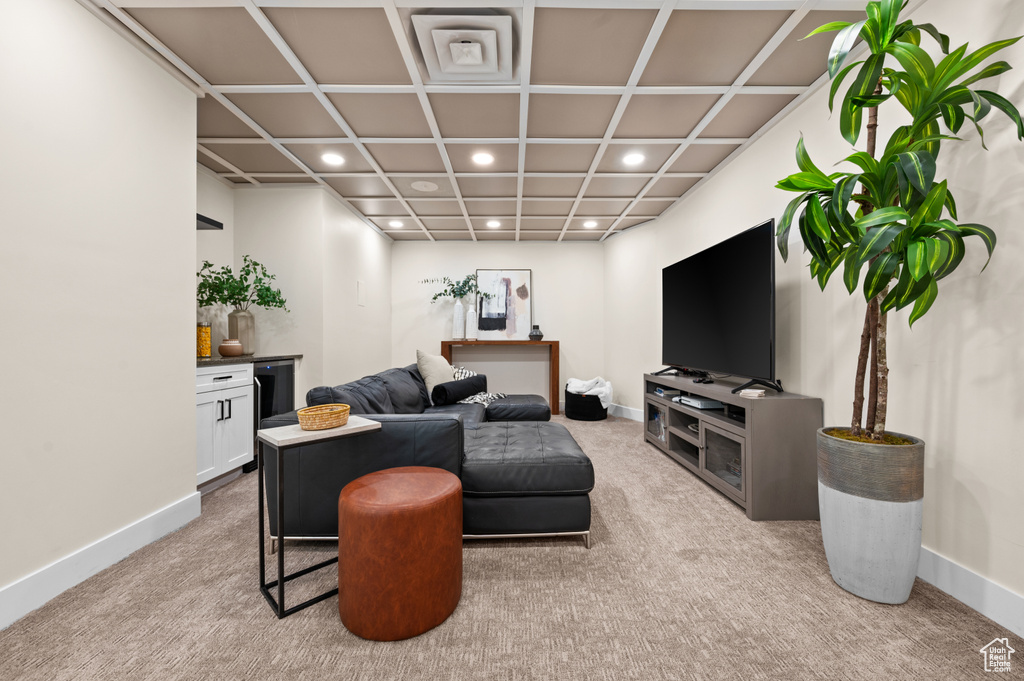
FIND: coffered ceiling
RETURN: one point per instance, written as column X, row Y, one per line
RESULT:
column 614, row 108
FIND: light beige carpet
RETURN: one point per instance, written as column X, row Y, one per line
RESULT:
column 678, row 585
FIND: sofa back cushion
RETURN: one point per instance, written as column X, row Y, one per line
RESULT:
column 368, row 395
column 407, row 394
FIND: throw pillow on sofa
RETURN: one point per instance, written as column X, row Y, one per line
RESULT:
column 434, row 369
column 455, row 391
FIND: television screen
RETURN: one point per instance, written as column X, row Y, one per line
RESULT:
column 718, row 307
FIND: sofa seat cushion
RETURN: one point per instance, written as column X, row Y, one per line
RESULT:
column 472, row 414
column 523, row 459
column 519, row 408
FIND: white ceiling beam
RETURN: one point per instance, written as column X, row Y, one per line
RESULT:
column 479, row 140
column 660, row 21
column 525, row 66
column 293, row 60
column 235, row 170
column 166, row 52
column 759, row 59
column 402, row 39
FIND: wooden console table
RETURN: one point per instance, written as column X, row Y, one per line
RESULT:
column 446, row 352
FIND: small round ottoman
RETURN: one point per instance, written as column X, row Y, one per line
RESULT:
column 399, row 552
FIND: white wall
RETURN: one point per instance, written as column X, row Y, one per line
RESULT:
column 318, row 250
column 282, row 228
column 215, row 199
column 951, row 379
column 568, row 286
column 98, row 196
column 357, row 333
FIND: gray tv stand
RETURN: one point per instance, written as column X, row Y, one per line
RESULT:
column 759, row 452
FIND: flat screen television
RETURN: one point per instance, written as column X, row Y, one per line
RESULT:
column 718, row 308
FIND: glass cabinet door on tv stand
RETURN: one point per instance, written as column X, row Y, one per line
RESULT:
column 657, row 422
column 724, row 460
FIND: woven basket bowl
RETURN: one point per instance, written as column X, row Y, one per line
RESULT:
column 323, row 416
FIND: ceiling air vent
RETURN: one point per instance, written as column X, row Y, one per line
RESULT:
column 461, row 49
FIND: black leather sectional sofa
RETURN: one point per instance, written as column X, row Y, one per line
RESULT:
column 521, row 474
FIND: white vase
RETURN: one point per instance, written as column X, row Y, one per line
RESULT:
column 471, row 321
column 458, row 321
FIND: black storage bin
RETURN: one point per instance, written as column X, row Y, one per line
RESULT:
column 584, row 407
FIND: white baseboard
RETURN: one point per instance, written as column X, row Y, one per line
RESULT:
column 19, row 598
column 626, row 412
column 995, row 602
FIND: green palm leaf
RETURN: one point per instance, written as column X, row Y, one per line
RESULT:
column 876, row 240
column 954, row 254
column 882, row 216
column 816, row 219
column 841, row 46
column 917, row 259
column 919, row 167
column 924, row 301
column 986, row 234
column 879, row 274
column 941, row 38
column 1006, row 107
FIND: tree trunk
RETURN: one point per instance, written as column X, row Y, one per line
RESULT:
column 882, row 371
column 862, row 365
column 869, row 336
column 869, row 425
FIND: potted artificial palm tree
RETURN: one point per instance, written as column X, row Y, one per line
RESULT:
column 892, row 221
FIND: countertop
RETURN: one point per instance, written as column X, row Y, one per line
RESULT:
column 244, row 359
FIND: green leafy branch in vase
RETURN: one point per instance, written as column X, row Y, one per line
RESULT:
column 456, row 289
column 894, row 226
column 252, row 286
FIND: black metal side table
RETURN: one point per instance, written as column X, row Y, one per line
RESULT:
column 281, row 440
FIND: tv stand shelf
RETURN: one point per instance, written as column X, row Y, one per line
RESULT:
column 759, row 452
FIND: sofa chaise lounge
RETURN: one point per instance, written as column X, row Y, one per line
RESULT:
column 521, row 475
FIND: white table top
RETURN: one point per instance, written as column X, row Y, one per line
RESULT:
column 290, row 436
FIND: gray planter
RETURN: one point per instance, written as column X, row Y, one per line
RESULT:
column 242, row 325
column 870, row 498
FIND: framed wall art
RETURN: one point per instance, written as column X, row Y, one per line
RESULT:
column 506, row 313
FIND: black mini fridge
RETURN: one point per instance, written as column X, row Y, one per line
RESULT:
column 275, row 394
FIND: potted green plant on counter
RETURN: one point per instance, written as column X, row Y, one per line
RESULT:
column 251, row 286
column 889, row 227
column 463, row 322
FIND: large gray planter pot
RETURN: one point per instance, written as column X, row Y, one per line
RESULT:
column 870, row 498
column 242, row 325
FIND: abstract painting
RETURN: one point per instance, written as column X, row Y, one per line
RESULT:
column 507, row 314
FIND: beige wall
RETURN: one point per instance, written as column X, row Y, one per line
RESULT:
column 318, row 250
column 569, row 290
column 951, row 378
column 98, row 185
column 216, row 200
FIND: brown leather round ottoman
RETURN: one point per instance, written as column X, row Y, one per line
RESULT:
column 399, row 552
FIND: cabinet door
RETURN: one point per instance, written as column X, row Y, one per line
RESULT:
column 208, row 406
column 235, row 446
column 724, row 463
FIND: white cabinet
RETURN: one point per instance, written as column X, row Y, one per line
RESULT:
column 224, row 419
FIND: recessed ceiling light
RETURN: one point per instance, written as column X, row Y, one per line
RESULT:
column 332, row 159
column 483, row 158
column 633, row 159
column 590, row 224
column 424, row 186
column 493, row 223
column 396, row 224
